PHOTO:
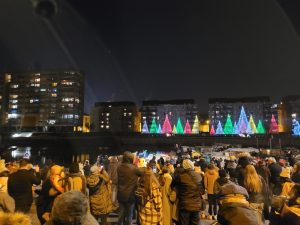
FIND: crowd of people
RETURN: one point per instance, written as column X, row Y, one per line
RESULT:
column 171, row 189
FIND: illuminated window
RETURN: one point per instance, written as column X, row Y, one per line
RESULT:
column 76, row 116
column 1, row 97
column 102, row 126
column 14, row 106
column 13, row 96
column 70, row 105
column 67, row 100
column 107, row 114
column 109, row 106
column 37, row 80
column 42, row 89
column 77, row 100
column 14, row 86
column 144, row 117
column 7, row 78
column 153, row 113
column 54, row 95
column 125, row 114
column 129, row 114
column 67, row 83
column 14, row 101
column 51, row 122
column 102, row 121
column 68, row 116
column 54, row 84
column 107, row 126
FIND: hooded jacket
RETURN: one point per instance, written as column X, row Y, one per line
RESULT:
column 290, row 215
column 210, row 176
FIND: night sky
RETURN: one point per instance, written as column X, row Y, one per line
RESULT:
column 145, row 50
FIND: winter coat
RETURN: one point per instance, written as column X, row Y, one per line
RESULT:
column 7, row 203
column 264, row 172
column 290, row 215
column 167, row 205
column 236, row 213
column 210, row 176
column 113, row 172
column 20, row 187
column 127, row 182
column 75, row 181
column 100, row 199
column 151, row 213
column 188, row 184
column 296, row 177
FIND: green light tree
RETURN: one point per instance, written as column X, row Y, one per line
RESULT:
column 228, row 128
column 260, row 128
column 179, row 127
column 153, row 127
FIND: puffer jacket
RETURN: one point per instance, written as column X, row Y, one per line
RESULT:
column 236, row 213
column 290, row 215
column 189, row 184
column 100, row 200
column 210, row 176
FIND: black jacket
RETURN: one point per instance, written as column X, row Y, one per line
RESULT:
column 127, row 182
column 20, row 186
column 275, row 170
column 189, row 185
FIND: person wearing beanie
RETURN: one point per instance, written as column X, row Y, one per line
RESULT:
column 221, row 181
column 190, row 189
column 71, row 208
column 99, row 193
column 234, row 207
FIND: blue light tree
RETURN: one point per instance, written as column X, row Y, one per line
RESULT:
column 243, row 122
column 249, row 129
column 159, row 131
column 296, row 129
column 235, row 128
column 219, row 130
column 145, row 129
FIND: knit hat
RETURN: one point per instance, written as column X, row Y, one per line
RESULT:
column 285, row 172
column 2, row 166
column 94, row 169
column 232, row 188
column 72, row 208
column 187, row 164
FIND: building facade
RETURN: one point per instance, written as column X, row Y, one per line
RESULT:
column 115, row 117
column 260, row 108
column 42, row 101
column 185, row 109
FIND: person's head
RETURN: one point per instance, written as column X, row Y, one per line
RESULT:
column 128, row 157
column 211, row 166
column 232, row 191
column 87, row 162
column 23, row 163
column 56, row 170
column 148, row 179
column 72, row 208
column 188, row 164
column 165, row 169
column 295, row 195
column 222, row 174
column 271, row 160
column 74, row 168
column 252, row 180
column 14, row 219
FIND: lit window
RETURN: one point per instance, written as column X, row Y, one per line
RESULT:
column 68, row 116
column 125, row 114
column 125, row 109
column 294, row 115
column 109, row 106
column 129, row 114
column 42, row 89
column 107, row 126
column 51, row 122
column 77, row 100
column 107, row 114
column 170, row 113
column 0, row 97
column 144, row 117
column 14, row 101
column 102, row 126
column 14, row 86
column 67, row 83
column 54, row 95
column 13, row 96
column 102, row 121
column 14, row 106
column 12, row 116
column 37, row 80
column 7, row 78
column 54, row 89
column 153, row 113
column 70, row 105
column 76, row 116
column 129, row 126
column 67, row 100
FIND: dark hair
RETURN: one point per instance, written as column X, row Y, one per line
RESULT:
column 24, row 162
column 222, row 173
column 74, row 168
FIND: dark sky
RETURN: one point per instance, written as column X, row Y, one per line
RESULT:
column 144, row 50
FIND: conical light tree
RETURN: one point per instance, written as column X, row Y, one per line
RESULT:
column 296, row 129
column 273, row 126
column 260, row 128
column 243, row 122
column 195, row 129
column 235, row 128
column 153, row 127
column 252, row 124
column 219, row 130
column 187, row 128
column 228, row 128
column 179, row 127
column 167, row 128
column 174, row 130
column 145, row 129
column 159, row 131
column 212, row 131
column 249, row 130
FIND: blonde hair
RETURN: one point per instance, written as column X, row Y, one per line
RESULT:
column 14, row 218
column 252, row 180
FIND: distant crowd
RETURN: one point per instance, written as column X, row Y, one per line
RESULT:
column 178, row 189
